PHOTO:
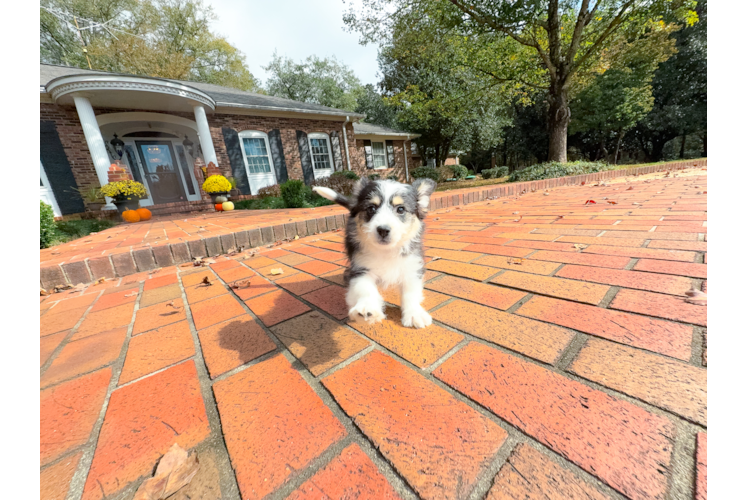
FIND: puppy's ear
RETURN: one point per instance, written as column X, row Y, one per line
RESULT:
column 423, row 188
column 332, row 196
column 360, row 185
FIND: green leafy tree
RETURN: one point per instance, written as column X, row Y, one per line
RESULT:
column 320, row 81
column 548, row 45
column 163, row 38
column 679, row 90
column 376, row 108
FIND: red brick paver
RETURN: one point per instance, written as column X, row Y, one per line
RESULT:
column 590, row 428
column 438, row 444
column 274, row 424
column 567, row 329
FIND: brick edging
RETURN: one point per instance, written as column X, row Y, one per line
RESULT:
column 122, row 264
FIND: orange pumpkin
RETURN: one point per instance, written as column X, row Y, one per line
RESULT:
column 130, row 216
column 219, row 207
column 144, row 213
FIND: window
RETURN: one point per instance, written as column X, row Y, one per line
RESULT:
column 379, row 154
column 256, row 152
column 320, row 146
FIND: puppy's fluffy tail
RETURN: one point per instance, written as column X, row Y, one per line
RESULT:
column 332, row 196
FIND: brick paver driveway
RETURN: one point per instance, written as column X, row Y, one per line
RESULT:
column 563, row 361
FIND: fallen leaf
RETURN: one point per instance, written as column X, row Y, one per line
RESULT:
column 520, row 218
column 515, row 260
column 175, row 471
column 613, row 202
column 559, row 217
column 99, row 281
column 133, row 294
column 590, row 202
column 43, row 292
column 206, row 282
column 296, row 237
column 240, row 284
column 187, row 264
column 277, row 271
column 580, row 246
column 696, row 297
column 173, row 306
column 157, row 270
column 60, row 288
column 630, row 188
column 583, row 183
column 546, row 193
column 435, row 258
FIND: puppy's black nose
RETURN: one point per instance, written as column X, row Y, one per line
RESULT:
column 383, row 231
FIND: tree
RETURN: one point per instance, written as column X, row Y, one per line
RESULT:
column 439, row 101
column 163, row 38
column 376, row 108
column 542, row 44
column 679, row 90
column 320, row 81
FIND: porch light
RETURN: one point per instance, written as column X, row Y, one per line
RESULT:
column 119, row 146
column 189, row 146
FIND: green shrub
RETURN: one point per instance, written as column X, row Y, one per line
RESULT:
column 425, row 173
column 293, row 193
column 393, row 177
column 46, row 225
column 72, row 229
column 267, row 203
column 495, row 173
column 374, row 177
column 269, row 191
column 554, row 169
column 342, row 184
column 350, row 174
column 459, row 171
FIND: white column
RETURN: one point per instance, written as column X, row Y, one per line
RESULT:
column 94, row 141
column 203, row 133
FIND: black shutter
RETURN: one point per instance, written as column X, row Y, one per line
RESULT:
column 336, row 154
column 234, row 152
column 279, row 158
column 56, row 165
column 306, row 157
column 391, row 154
column 367, row 154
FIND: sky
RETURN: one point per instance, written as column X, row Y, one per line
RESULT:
column 296, row 29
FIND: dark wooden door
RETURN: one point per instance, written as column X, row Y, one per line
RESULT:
column 161, row 171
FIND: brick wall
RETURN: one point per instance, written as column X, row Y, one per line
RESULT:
column 287, row 127
column 358, row 161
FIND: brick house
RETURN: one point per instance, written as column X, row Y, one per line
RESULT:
column 165, row 130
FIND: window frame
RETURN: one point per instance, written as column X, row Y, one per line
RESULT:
column 324, row 172
column 256, row 134
column 386, row 159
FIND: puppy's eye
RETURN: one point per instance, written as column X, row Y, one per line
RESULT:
column 371, row 210
column 401, row 210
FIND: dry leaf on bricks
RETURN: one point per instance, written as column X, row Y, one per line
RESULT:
column 175, row 471
column 276, row 272
column 696, row 297
column 173, row 306
column 206, row 282
column 580, row 246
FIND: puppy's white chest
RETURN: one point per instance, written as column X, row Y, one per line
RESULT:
column 390, row 269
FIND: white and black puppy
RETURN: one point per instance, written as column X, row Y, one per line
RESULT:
column 383, row 239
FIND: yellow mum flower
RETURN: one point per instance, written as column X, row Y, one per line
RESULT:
column 124, row 188
column 216, row 184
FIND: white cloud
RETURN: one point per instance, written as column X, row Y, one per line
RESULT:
column 296, row 29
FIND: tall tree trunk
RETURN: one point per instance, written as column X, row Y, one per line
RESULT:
column 558, row 123
column 683, row 146
column 703, row 141
column 657, row 148
column 436, row 157
column 618, row 146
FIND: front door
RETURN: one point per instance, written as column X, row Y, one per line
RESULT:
column 161, row 171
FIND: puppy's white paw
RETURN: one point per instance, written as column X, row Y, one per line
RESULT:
column 367, row 309
column 417, row 317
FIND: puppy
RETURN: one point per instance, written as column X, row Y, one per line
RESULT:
column 383, row 239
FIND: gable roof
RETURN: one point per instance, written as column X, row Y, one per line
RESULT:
column 223, row 96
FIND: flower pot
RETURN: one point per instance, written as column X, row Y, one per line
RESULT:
column 95, row 207
column 214, row 197
column 234, row 192
column 124, row 204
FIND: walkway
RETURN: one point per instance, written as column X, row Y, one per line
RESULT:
column 564, row 360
